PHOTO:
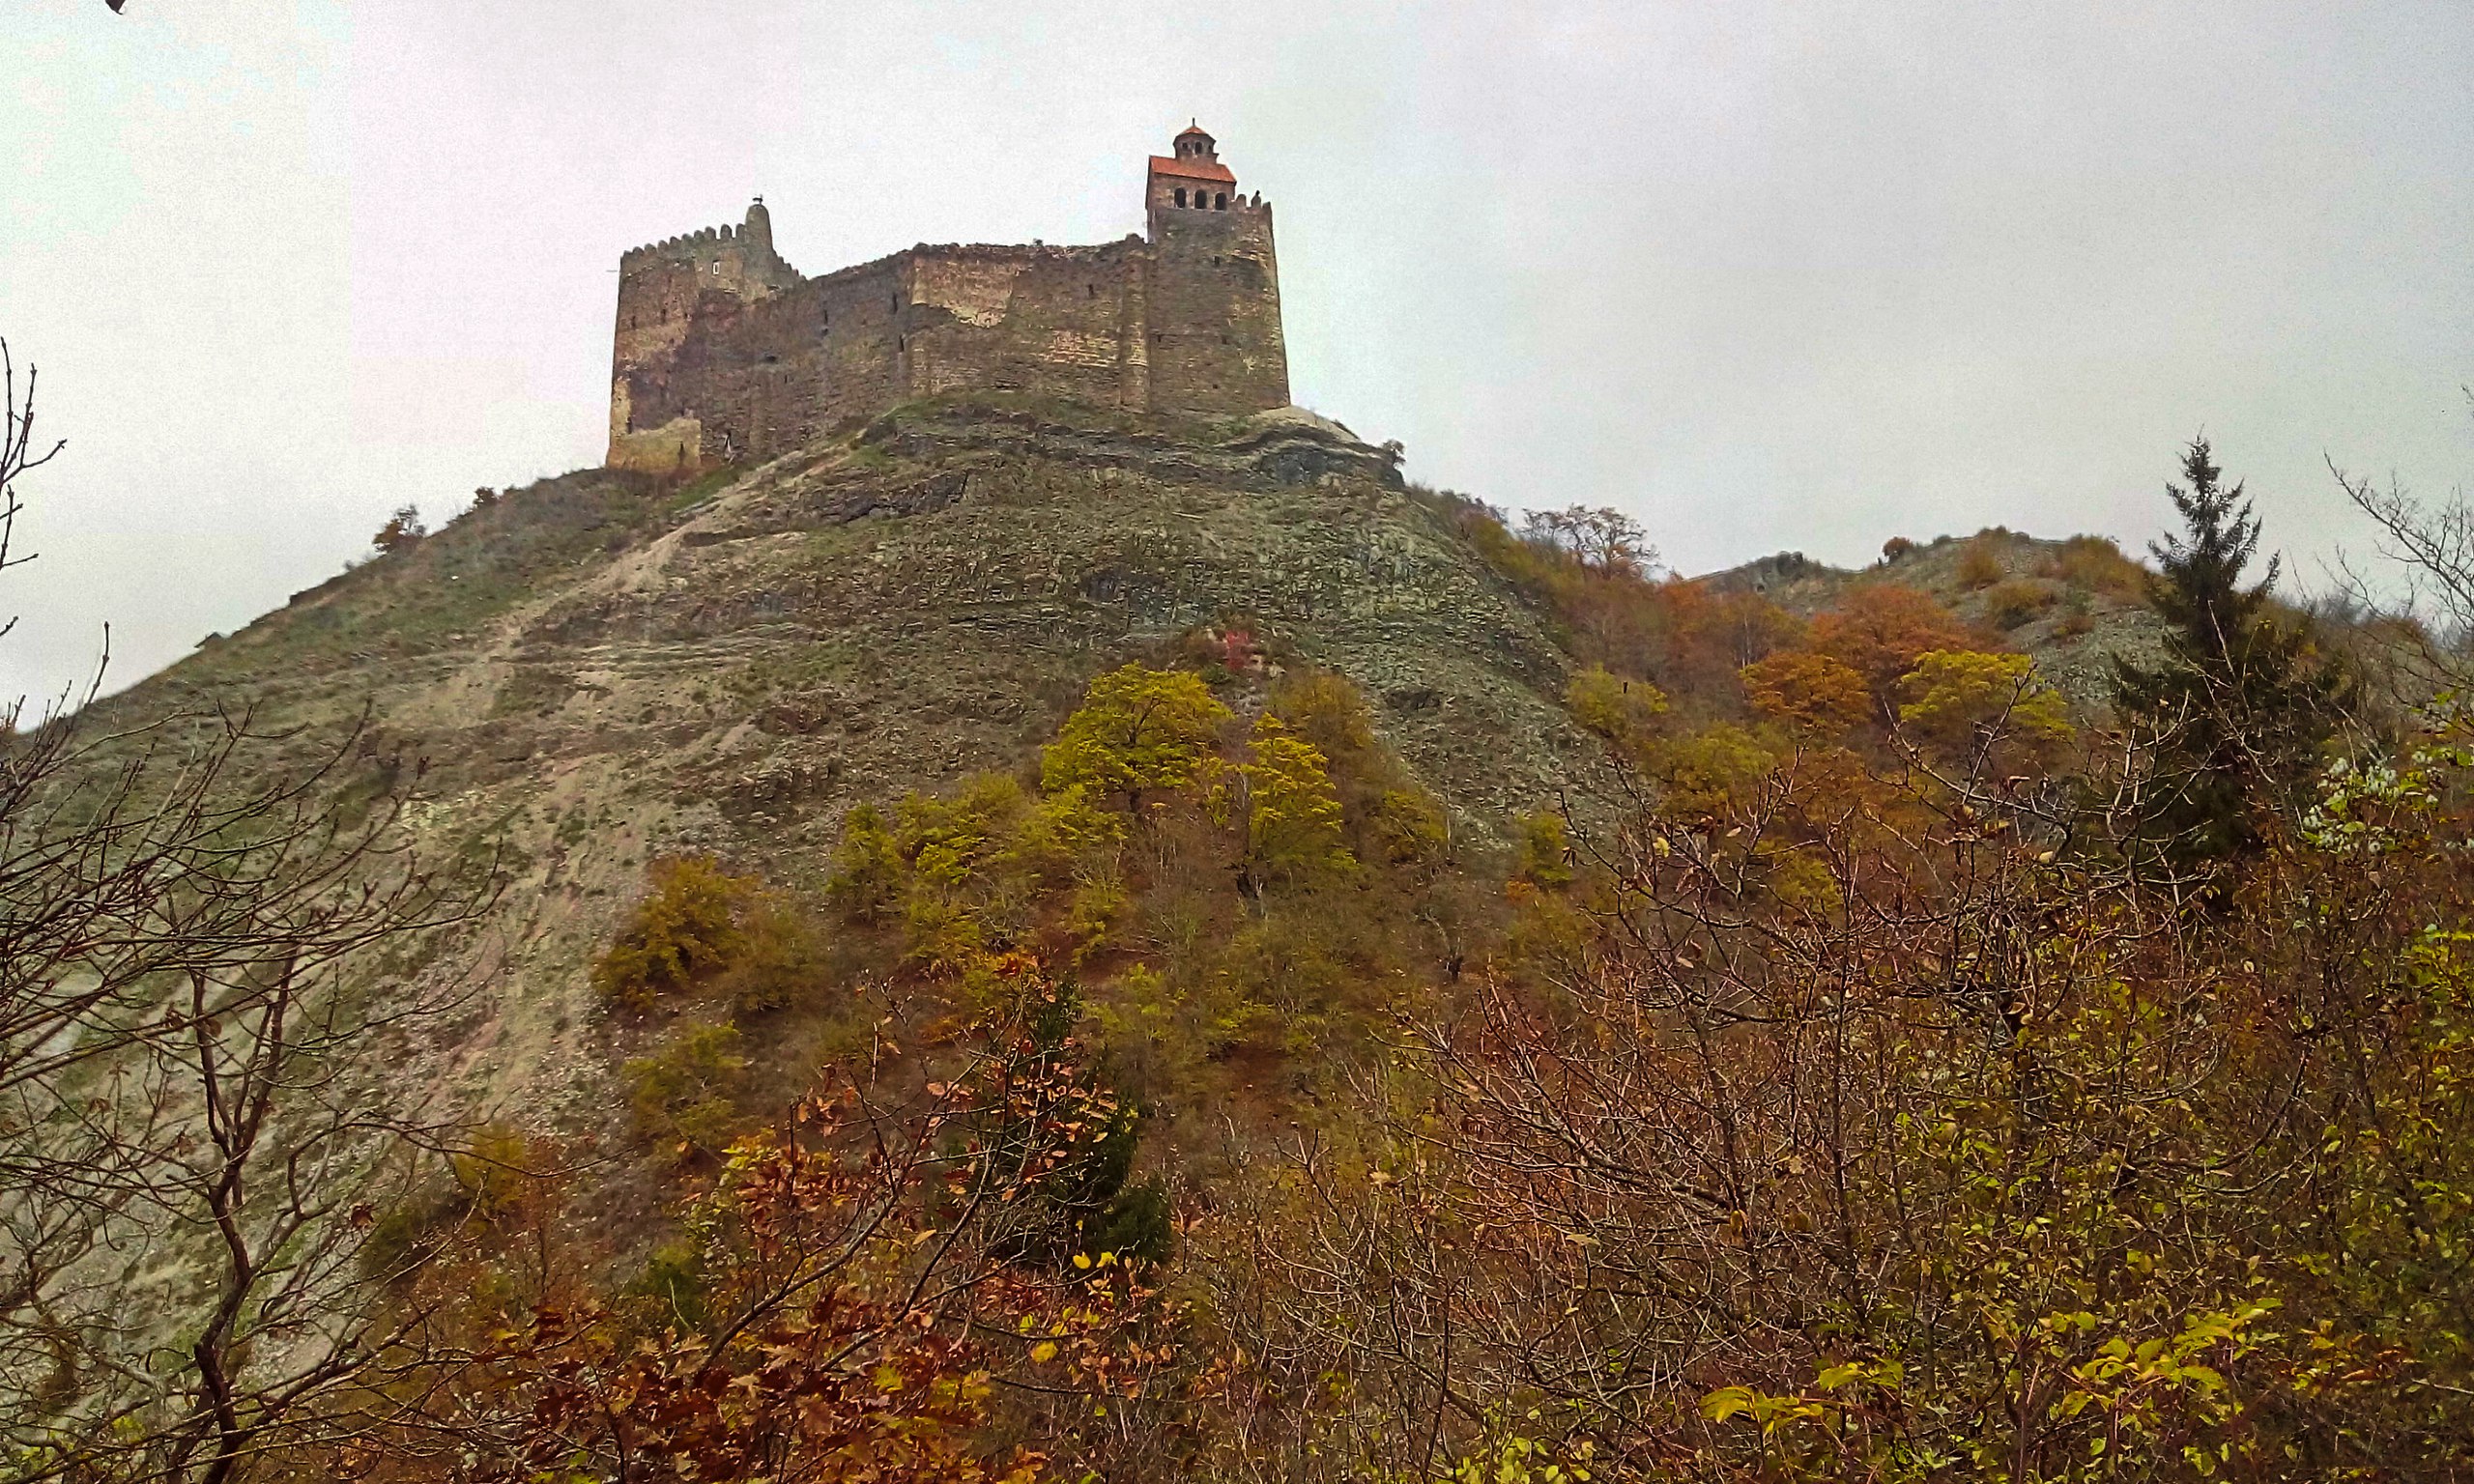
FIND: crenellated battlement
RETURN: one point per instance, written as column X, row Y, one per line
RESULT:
column 684, row 242
column 725, row 352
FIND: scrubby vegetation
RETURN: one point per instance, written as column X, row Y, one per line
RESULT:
column 1836, row 1082
column 1871, row 1063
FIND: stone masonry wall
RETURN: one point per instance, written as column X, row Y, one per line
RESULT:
column 1216, row 341
column 1064, row 322
column 670, row 293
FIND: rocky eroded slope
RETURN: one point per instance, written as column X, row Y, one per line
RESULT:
column 598, row 670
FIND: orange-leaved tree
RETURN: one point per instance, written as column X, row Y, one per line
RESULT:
column 1879, row 630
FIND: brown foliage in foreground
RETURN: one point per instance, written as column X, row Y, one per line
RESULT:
column 860, row 1292
column 1990, row 1158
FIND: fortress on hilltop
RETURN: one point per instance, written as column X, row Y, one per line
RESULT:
column 724, row 352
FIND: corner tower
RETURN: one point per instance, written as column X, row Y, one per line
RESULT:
column 660, row 395
column 1216, row 339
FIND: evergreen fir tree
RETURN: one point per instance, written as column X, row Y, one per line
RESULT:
column 1084, row 1200
column 2238, row 710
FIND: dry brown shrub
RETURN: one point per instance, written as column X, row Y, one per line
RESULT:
column 2097, row 564
column 1979, row 564
column 2015, row 602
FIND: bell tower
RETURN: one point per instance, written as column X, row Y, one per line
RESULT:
column 1190, row 179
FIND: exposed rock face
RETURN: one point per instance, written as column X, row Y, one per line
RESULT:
column 599, row 669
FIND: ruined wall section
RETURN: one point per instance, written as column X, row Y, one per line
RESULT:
column 1058, row 322
column 717, row 377
column 755, row 377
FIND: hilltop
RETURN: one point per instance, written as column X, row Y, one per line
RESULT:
column 607, row 668
column 2070, row 602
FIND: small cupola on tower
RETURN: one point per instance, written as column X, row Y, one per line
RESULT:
column 1190, row 179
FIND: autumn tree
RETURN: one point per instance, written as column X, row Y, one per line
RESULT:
column 1323, row 708
column 1704, row 635
column 1879, row 630
column 1980, row 1166
column 1600, row 539
column 685, row 926
column 402, row 532
column 874, row 1280
column 2433, row 541
column 1292, row 815
column 1069, row 1142
column 1968, row 702
column 868, row 865
column 1811, row 693
column 1621, row 712
column 1138, row 732
column 194, row 1030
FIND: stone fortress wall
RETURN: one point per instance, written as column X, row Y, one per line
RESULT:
column 724, row 352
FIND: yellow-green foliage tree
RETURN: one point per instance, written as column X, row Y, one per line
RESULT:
column 775, row 958
column 1293, row 832
column 1395, row 821
column 1704, row 776
column 963, row 870
column 685, row 928
column 1325, row 709
column 960, row 875
column 700, row 926
column 868, row 866
column 1541, row 850
column 682, row 1090
column 1623, row 712
column 494, row 1170
column 1407, row 827
column 1963, row 698
column 1138, row 732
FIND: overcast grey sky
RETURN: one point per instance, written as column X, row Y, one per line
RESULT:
column 1766, row 274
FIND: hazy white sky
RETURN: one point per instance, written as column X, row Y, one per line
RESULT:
column 1768, row 274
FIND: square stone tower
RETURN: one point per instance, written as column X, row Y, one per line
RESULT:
column 1216, row 339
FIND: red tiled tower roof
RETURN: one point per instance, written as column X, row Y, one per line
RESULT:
column 1192, row 169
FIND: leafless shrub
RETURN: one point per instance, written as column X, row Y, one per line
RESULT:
column 192, row 1140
